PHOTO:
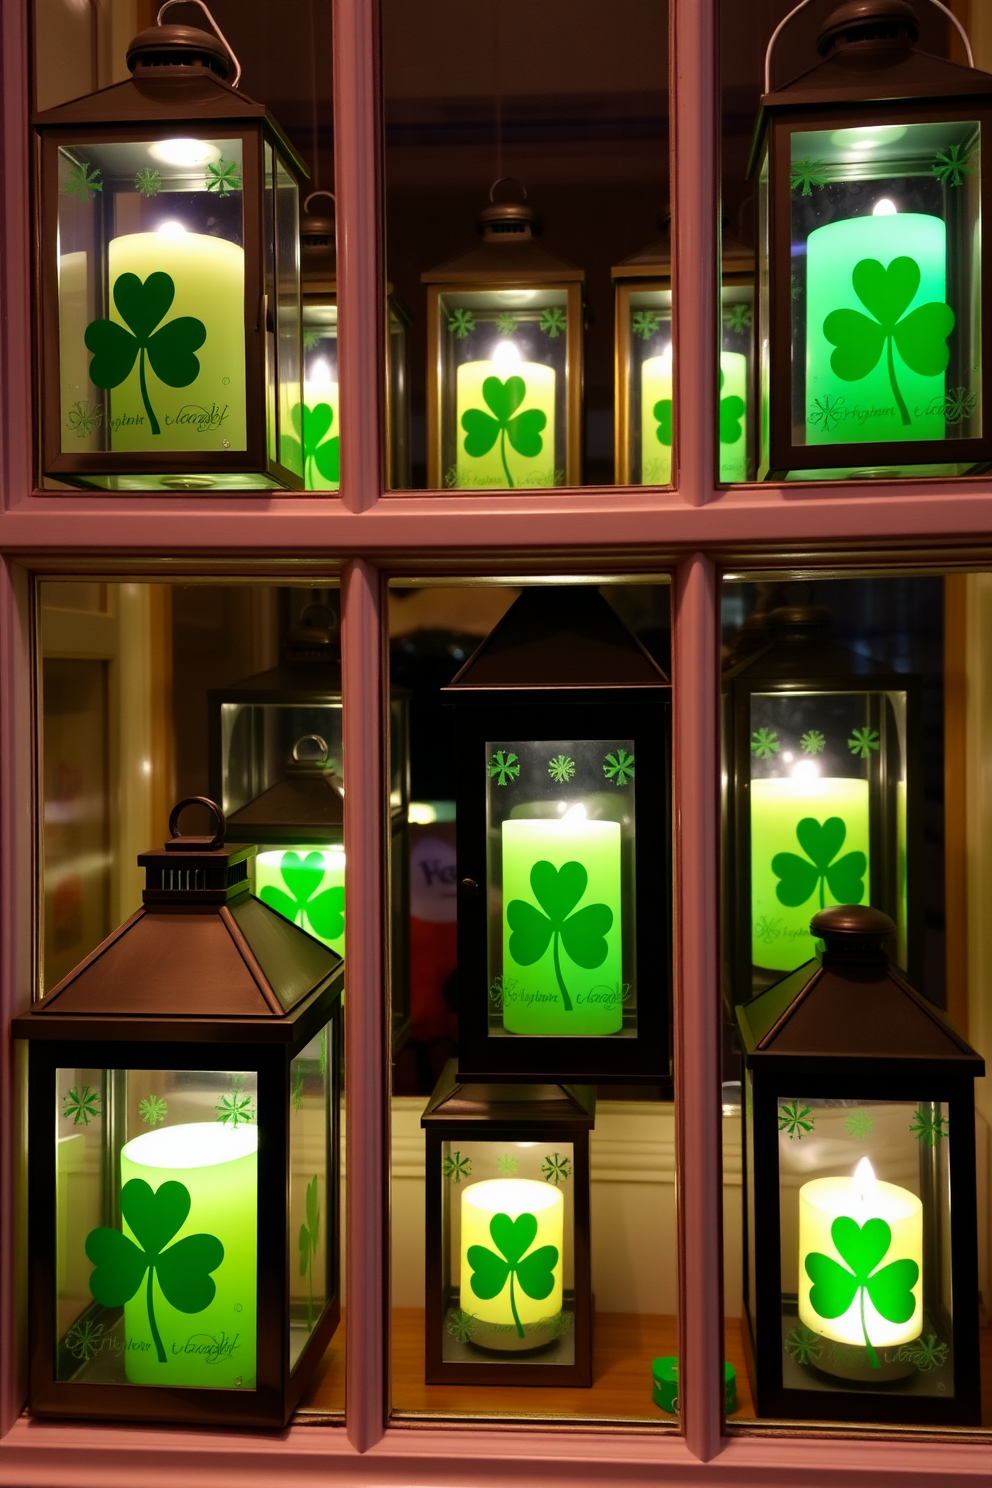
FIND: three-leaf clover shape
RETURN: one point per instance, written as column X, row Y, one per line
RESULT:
column 154, row 1217
column 583, row 934
column 920, row 337
column 663, row 418
column 523, row 431
column 309, row 1240
column 821, row 842
column 492, row 1269
column 302, row 877
column 310, row 446
column 170, row 349
column 863, row 1247
column 731, row 413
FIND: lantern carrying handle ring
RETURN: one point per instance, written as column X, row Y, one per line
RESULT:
column 499, row 181
column 802, row 5
column 306, row 204
column 237, row 78
column 218, row 838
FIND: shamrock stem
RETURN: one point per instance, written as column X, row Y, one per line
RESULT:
column 150, row 412
column 903, row 410
column 513, row 1309
column 872, row 1356
column 502, row 455
column 156, row 1336
column 564, row 990
column 823, row 901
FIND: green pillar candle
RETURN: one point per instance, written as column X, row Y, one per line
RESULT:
column 886, row 400
column 503, row 466
column 213, row 1345
column 562, row 927
column 305, row 884
column 497, row 1216
column 780, row 926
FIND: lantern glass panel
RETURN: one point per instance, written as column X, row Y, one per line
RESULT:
column 504, row 358
column 886, row 283
column 312, row 1122
column 735, row 382
column 290, row 374
column 508, row 1239
column 152, row 364
column 156, row 1227
column 322, row 449
column 866, row 1245
column 259, row 741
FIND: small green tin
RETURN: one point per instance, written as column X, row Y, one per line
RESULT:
column 665, row 1386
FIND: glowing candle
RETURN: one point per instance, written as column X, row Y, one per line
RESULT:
column 567, row 980
column 780, row 927
column 497, row 1217
column 502, row 466
column 733, row 426
column 212, row 1345
column 305, row 884
column 321, row 386
column 862, row 1226
column 656, row 421
column 208, row 412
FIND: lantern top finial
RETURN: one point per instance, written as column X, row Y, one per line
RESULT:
column 508, row 221
column 853, row 932
column 163, row 47
column 889, row 26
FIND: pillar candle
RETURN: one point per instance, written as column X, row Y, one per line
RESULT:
column 780, row 933
column 656, row 386
column 320, row 385
column 487, row 470
column 209, row 278
column 860, row 1198
column 533, row 1000
column 294, row 880
column 511, row 1309
column 215, row 1346
column 842, row 412
column 733, row 453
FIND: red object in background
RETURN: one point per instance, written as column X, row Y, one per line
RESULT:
column 433, row 932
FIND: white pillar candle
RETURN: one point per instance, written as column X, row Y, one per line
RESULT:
column 656, row 387
column 733, row 451
column 491, row 470
column 320, row 387
column 497, row 1218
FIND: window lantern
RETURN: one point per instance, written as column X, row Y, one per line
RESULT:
column 861, row 1264
column 183, row 1212
column 508, row 1293
column 277, row 769
column 169, row 302
column 873, row 293
column 320, row 361
column 504, row 360
column 643, row 407
column 564, row 955
column 822, row 797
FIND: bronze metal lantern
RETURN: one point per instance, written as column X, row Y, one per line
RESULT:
column 504, row 360
column 183, row 1141
column 861, row 1293
column 874, row 290
column 168, row 305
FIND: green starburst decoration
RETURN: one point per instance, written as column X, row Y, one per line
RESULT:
column 504, row 767
column 739, row 318
column 859, row 1124
column 506, row 1165
column 84, row 1339
column 223, row 177
column 952, row 165
column 929, row 1126
column 830, row 410
column 456, row 1167
column 152, row 1110
column 765, row 743
column 960, row 403
column 645, row 323
column 812, row 742
column 804, row 1345
column 553, row 322
column 311, row 338
column 461, row 1325
column 83, row 417
column 81, row 183
column 619, row 767
column 795, row 1120
column 506, row 324
column 556, row 1168
column 147, row 182
column 864, row 742
column 82, row 1104
column 236, row 1109
column 561, row 768
column 460, row 323
column 807, row 174
column 925, row 1353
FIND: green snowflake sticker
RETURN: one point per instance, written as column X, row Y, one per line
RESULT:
column 460, row 323
column 461, row 1325
column 821, row 868
column 510, row 1262
column 82, row 1104
column 582, row 934
column 645, row 323
column 152, row 1110
column 862, row 1248
column 929, row 1126
column 952, row 165
column 236, row 1109
column 556, row 1168
column 81, row 183
column 84, row 1339
column 739, row 318
column 147, row 182
column 504, row 767
column 864, row 742
column 619, row 767
column 456, row 1167
column 807, row 174
column 561, row 768
column 553, row 321
column 959, row 404
column 223, row 178
column 765, row 743
column 830, row 410
column 83, row 417
column 169, row 350
column 925, row 1353
column 506, row 324
column 812, row 742
column 804, row 1345
column 311, row 338
column 796, row 1120
column 859, row 1124
column 506, row 1165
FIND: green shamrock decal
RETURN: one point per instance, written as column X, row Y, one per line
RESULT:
column 821, row 842
column 309, row 1239
column 311, row 447
column 523, row 432
column 170, row 349
column 302, row 876
column 863, row 1247
column 491, row 1270
column 731, row 413
column 154, row 1217
column 920, row 337
column 663, row 417
column 583, row 934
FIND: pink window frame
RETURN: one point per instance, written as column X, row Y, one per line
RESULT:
column 694, row 531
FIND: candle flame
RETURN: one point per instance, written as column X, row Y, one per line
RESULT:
column 575, row 813
column 506, row 355
column 805, row 770
column 864, row 1177
column 319, row 372
column 171, row 230
column 884, row 207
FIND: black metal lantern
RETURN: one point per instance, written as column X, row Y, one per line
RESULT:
column 276, row 768
column 183, row 1214
column 563, row 854
column 169, row 298
column 874, row 295
column 822, row 798
column 508, row 1292
column 504, row 360
column 860, row 1246
column 643, row 384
